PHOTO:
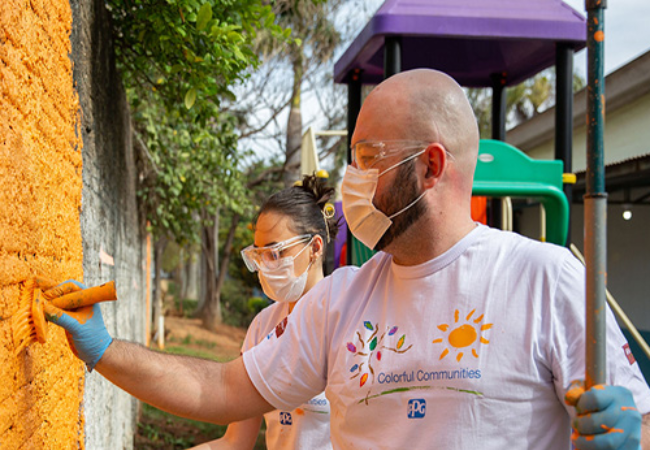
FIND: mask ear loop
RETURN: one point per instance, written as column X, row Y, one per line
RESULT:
column 328, row 212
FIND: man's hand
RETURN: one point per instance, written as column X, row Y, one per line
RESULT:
column 607, row 418
column 85, row 329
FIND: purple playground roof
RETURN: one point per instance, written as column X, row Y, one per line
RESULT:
column 468, row 39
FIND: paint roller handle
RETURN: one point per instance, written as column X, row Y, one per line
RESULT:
column 86, row 297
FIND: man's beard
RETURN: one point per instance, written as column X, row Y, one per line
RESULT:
column 398, row 197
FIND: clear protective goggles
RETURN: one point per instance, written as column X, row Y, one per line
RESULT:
column 268, row 258
column 365, row 154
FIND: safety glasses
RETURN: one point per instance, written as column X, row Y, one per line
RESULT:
column 268, row 258
column 365, row 154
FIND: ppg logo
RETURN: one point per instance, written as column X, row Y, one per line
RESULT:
column 417, row 408
column 285, row 418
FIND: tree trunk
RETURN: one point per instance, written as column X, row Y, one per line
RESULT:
column 294, row 125
column 193, row 269
column 159, row 247
column 211, row 313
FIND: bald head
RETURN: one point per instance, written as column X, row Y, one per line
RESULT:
column 422, row 104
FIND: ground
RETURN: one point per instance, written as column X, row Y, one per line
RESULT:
column 223, row 345
column 158, row 430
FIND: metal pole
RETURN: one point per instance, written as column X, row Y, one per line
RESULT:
column 392, row 56
column 499, row 106
column 354, row 106
column 564, row 115
column 498, row 133
column 595, row 196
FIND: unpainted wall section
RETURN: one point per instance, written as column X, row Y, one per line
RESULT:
column 40, row 198
column 627, row 133
column 113, row 238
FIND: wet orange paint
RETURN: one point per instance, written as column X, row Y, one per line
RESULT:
column 83, row 314
column 611, row 430
column 628, row 408
column 599, row 36
column 300, row 412
column 41, row 388
column 573, row 394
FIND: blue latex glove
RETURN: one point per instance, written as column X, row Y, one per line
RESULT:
column 607, row 418
column 85, row 329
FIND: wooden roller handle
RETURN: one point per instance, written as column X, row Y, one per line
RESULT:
column 86, row 297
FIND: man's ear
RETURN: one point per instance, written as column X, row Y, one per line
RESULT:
column 436, row 159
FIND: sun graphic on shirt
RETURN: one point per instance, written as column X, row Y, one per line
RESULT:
column 463, row 336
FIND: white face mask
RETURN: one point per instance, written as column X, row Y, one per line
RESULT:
column 366, row 222
column 281, row 283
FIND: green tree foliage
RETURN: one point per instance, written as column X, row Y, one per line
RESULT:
column 179, row 58
column 523, row 101
column 188, row 50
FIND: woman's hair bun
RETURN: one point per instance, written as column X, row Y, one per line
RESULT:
column 318, row 188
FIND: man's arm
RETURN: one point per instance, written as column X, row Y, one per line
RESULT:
column 185, row 386
column 645, row 432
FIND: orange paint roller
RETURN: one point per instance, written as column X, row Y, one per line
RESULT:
column 29, row 324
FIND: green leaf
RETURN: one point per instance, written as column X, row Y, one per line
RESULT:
column 204, row 16
column 238, row 53
column 190, row 98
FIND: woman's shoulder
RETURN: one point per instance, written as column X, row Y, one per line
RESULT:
column 266, row 320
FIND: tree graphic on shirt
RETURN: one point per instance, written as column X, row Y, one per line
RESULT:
column 373, row 346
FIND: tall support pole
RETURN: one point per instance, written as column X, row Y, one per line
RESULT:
column 392, row 56
column 564, row 115
column 354, row 106
column 595, row 196
column 498, row 133
column 499, row 107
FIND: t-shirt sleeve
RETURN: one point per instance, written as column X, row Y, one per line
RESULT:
column 252, row 334
column 290, row 368
column 568, row 340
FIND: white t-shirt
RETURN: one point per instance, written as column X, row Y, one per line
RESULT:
column 305, row 427
column 473, row 349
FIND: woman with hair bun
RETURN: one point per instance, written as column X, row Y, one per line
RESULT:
column 292, row 231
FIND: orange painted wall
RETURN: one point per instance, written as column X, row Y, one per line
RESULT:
column 40, row 197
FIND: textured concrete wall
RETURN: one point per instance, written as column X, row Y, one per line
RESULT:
column 40, row 195
column 113, row 238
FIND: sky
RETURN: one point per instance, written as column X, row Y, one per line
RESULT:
column 627, row 33
column 627, row 36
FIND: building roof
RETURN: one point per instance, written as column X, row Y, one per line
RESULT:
column 624, row 85
column 469, row 39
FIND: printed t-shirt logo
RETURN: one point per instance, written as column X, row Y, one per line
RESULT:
column 462, row 337
column 279, row 329
column 417, row 408
column 285, row 418
column 366, row 348
column 628, row 354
